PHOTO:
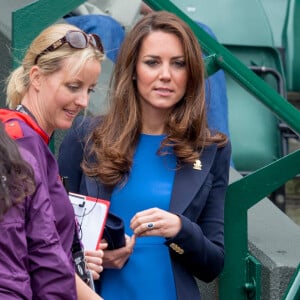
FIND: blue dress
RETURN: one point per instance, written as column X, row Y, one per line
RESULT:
column 148, row 273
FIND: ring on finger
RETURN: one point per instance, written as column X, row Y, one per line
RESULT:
column 150, row 226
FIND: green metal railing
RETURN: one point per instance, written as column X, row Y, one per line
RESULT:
column 293, row 292
column 240, row 278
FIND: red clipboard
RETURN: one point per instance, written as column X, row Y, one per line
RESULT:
column 91, row 214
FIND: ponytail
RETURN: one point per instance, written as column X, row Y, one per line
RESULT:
column 17, row 84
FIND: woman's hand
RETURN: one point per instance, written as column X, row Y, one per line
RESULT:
column 116, row 259
column 155, row 221
column 94, row 261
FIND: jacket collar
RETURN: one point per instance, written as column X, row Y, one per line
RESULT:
column 188, row 180
column 95, row 189
column 7, row 115
column 186, row 184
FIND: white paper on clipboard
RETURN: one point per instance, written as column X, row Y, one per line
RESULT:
column 91, row 214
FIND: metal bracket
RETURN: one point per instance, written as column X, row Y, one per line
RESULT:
column 252, row 286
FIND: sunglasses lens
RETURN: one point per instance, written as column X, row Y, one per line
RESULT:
column 76, row 39
column 96, row 42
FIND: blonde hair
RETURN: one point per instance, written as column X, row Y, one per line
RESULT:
column 19, row 81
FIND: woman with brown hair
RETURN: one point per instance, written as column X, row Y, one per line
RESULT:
column 153, row 156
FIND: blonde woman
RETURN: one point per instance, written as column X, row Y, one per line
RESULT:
column 52, row 85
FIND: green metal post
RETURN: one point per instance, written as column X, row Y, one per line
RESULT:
column 211, row 65
column 293, row 291
column 242, row 195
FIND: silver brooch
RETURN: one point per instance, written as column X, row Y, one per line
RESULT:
column 197, row 164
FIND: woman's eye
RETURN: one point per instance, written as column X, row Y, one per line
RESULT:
column 179, row 63
column 91, row 90
column 151, row 62
column 73, row 88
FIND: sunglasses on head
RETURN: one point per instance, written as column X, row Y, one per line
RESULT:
column 76, row 39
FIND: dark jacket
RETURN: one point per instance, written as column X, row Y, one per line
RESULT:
column 198, row 198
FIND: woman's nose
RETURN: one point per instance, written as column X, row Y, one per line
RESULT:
column 165, row 72
column 83, row 100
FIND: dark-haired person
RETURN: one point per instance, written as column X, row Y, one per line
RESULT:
column 154, row 157
column 17, row 178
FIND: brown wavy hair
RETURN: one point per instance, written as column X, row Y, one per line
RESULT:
column 113, row 141
column 16, row 175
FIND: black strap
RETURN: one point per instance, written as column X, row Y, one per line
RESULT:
column 78, row 251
